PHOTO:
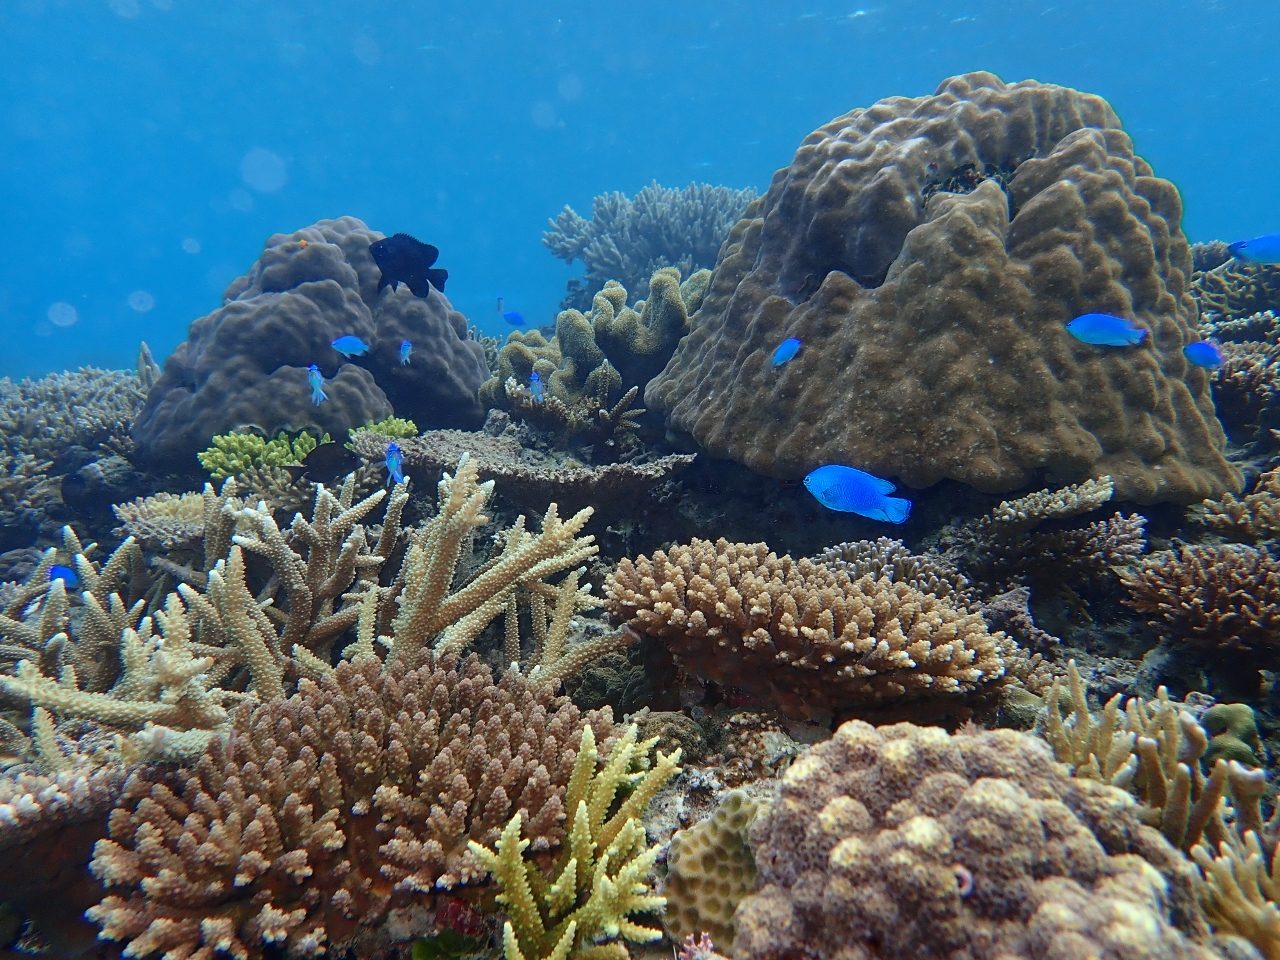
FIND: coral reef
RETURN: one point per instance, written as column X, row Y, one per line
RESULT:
column 1252, row 518
column 323, row 813
column 594, row 358
column 527, row 477
column 1237, row 288
column 88, row 408
column 1220, row 603
column 710, row 870
column 627, row 239
column 934, row 320
column 810, row 640
column 904, row 841
column 234, row 454
column 888, row 559
column 1233, row 735
column 602, row 873
column 245, row 364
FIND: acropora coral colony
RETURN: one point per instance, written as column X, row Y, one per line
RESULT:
column 622, row 687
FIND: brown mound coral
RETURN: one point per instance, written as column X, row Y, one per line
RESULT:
column 929, row 253
column 245, row 364
column 904, row 841
column 810, row 639
column 325, row 812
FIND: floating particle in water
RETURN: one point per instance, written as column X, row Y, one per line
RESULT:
column 190, row 245
column 263, row 170
column 62, row 314
column 240, row 200
column 128, row 9
column 366, row 50
column 142, row 301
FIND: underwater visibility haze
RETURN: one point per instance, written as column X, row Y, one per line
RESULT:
column 563, row 482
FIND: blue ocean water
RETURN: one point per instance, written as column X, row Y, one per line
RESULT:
column 150, row 146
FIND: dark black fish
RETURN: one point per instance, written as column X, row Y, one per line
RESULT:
column 402, row 259
column 326, row 463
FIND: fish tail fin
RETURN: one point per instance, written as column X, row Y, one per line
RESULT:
column 896, row 509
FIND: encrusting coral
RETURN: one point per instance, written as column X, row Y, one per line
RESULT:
column 905, row 841
column 579, row 907
column 628, row 238
column 323, row 816
column 810, row 640
column 245, row 364
column 929, row 252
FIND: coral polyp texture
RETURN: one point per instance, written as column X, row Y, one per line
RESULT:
column 809, row 639
column 905, row 841
column 929, row 253
column 325, row 812
column 245, row 364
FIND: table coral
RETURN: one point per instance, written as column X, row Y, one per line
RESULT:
column 809, row 639
column 246, row 362
column 904, row 841
column 929, row 253
column 325, row 812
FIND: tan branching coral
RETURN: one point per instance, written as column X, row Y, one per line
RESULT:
column 324, row 813
column 163, row 521
column 587, row 421
column 904, row 841
column 810, row 639
column 1251, row 518
column 1215, row 600
column 89, row 407
column 891, row 560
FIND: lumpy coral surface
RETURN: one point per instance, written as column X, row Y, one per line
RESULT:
column 929, row 253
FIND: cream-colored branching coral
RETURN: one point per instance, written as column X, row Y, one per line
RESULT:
column 1253, row 517
column 809, row 639
column 602, row 874
column 432, row 612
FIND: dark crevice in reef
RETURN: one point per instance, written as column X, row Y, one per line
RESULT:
column 965, row 179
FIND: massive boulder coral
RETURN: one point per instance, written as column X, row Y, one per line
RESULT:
column 904, row 841
column 245, row 364
column 929, row 253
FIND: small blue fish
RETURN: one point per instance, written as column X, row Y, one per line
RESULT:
column 406, row 348
column 535, row 387
column 395, row 463
column 68, row 576
column 514, row 317
column 316, row 379
column 850, row 490
column 1204, row 353
column 350, row 346
column 1264, row 249
column 1104, row 330
column 787, row 349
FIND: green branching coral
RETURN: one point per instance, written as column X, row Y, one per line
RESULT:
column 233, row 454
column 602, row 873
column 396, row 428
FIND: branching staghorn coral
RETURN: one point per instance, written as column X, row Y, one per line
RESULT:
column 1222, row 603
column 233, row 454
column 809, row 639
column 88, row 407
column 323, row 815
column 627, row 239
column 890, row 559
column 602, row 873
column 586, row 422
column 1251, row 518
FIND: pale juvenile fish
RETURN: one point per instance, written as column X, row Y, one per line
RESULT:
column 851, row 490
column 1204, row 353
column 1263, row 249
column 350, row 346
column 535, row 387
column 787, row 349
column 1104, row 330
column 395, row 463
column 316, row 379
column 406, row 348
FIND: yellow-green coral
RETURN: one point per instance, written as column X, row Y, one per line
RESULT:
column 232, row 454
column 397, row 428
column 602, row 873
column 1233, row 734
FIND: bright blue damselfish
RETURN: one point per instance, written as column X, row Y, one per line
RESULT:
column 1204, row 353
column 787, row 349
column 350, row 346
column 395, row 463
column 851, row 490
column 514, row 317
column 1104, row 330
column 1263, row 249
column 406, row 348
column 65, row 574
column 316, row 379
column 535, row 387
